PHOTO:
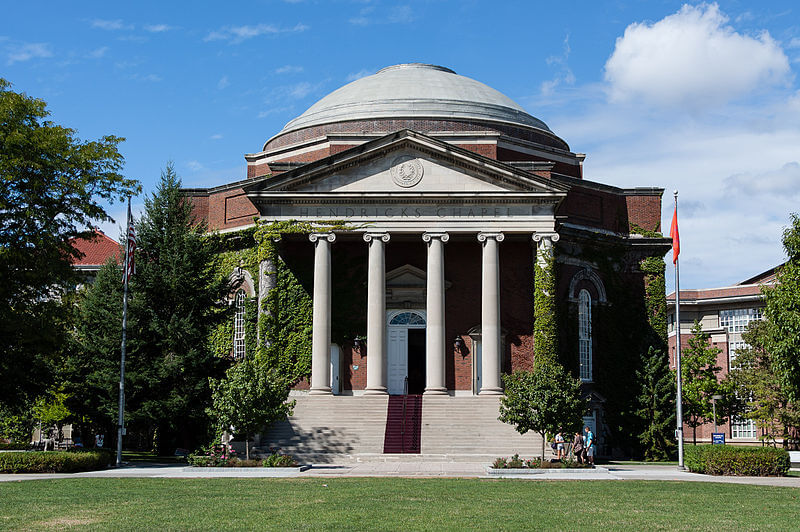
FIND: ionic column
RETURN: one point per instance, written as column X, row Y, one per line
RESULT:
column 376, row 314
column 490, row 314
column 435, row 331
column 545, row 333
column 321, row 326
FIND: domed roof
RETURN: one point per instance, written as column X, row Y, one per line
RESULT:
column 415, row 90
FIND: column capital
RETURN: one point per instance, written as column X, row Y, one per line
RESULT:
column 330, row 237
column 382, row 236
column 427, row 237
column 553, row 237
column 482, row 236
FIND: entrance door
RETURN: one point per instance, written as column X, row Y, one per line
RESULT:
column 405, row 351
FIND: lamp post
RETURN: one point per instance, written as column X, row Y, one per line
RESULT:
column 714, row 399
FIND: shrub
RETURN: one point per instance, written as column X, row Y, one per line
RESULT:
column 279, row 460
column 515, row 462
column 215, row 455
column 54, row 461
column 737, row 461
column 14, row 446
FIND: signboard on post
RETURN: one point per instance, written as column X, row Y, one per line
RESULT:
column 718, row 438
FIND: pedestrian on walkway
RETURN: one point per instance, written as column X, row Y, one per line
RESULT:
column 577, row 447
column 589, row 444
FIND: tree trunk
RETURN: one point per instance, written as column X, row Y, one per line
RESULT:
column 247, row 446
column 543, row 438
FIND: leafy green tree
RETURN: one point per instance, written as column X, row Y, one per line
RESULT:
column 700, row 380
column 656, row 402
column 249, row 398
column 51, row 409
column 173, row 312
column 92, row 365
column 783, row 313
column 760, row 389
column 545, row 400
column 52, row 186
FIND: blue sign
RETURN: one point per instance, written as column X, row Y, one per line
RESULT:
column 718, row 438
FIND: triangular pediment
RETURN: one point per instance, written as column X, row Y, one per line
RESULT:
column 406, row 162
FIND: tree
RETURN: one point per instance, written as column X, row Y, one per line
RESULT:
column 699, row 371
column 760, row 389
column 51, row 188
column 783, row 313
column 92, row 365
column 174, row 297
column 656, row 402
column 545, row 400
column 249, row 398
column 51, row 410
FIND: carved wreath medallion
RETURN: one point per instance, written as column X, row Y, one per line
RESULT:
column 406, row 171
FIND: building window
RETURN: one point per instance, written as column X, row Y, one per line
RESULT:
column 736, row 320
column 238, row 326
column 733, row 351
column 743, row 428
column 585, row 335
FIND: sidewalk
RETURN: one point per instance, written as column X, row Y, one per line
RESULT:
column 415, row 469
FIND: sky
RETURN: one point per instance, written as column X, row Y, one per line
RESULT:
column 702, row 98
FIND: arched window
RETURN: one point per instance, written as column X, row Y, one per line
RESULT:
column 585, row 335
column 238, row 326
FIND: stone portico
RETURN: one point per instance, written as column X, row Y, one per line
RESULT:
column 410, row 186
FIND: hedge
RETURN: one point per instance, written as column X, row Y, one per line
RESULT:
column 55, row 461
column 14, row 446
column 737, row 461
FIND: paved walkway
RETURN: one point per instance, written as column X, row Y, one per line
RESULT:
column 418, row 469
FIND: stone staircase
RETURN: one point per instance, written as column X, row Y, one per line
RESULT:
column 328, row 429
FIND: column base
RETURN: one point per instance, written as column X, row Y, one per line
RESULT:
column 435, row 391
column 381, row 390
column 320, row 391
column 491, row 391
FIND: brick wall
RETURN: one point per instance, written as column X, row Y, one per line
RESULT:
column 645, row 211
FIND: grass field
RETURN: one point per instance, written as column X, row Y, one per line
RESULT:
column 393, row 504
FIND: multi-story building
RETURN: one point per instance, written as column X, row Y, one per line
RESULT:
column 724, row 314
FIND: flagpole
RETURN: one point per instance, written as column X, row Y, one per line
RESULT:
column 121, row 420
column 679, row 402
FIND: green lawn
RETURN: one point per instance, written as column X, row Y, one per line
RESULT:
column 393, row 504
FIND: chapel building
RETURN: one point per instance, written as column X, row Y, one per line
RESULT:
column 434, row 197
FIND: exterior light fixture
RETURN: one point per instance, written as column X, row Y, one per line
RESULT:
column 359, row 344
column 458, row 345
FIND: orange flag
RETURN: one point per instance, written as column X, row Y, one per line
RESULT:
column 676, row 240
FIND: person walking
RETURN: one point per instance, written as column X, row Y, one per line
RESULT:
column 577, row 447
column 589, row 444
column 559, row 445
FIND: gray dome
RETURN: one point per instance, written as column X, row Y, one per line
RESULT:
column 415, row 90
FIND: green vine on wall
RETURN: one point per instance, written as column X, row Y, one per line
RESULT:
column 545, row 329
column 286, row 324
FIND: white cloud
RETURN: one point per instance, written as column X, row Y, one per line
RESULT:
column 194, row 166
column 158, row 28
column 360, row 74
column 223, row 82
column 368, row 15
column 237, row 34
column 781, row 182
column 301, row 90
column 692, row 59
column 97, row 53
column 216, row 136
column 564, row 75
column 152, row 78
column 111, row 25
column 28, row 51
column 289, row 69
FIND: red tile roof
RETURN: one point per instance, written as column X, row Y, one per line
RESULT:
column 96, row 250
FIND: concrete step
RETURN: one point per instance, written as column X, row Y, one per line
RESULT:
column 346, row 428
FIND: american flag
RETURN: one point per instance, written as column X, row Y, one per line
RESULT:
column 130, row 267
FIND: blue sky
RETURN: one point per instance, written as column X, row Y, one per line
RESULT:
column 697, row 97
